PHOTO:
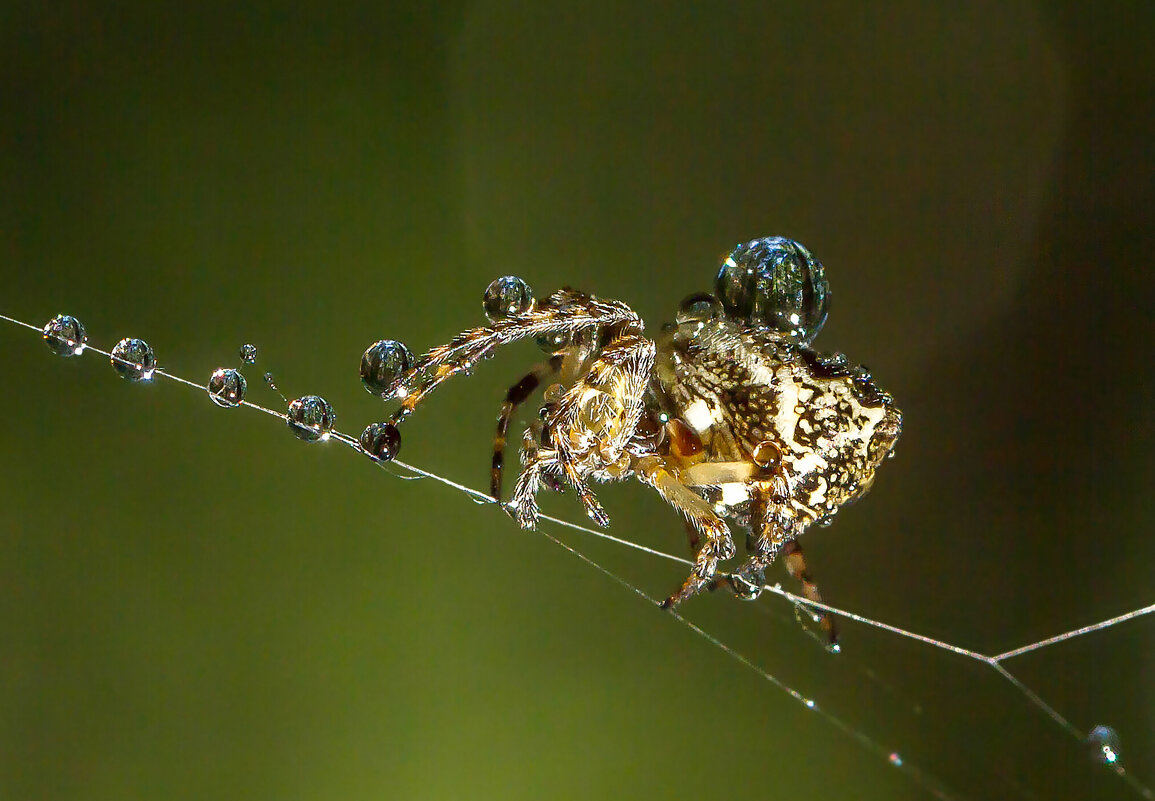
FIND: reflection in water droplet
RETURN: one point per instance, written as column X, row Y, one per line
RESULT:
column 777, row 284
column 133, row 359
column 227, row 387
column 382, row 364
column 747, row 584
column 506, row 296
column 311, row 418
column 380, row 441
column 65, row 335
column 700, row 308
column 248, row 353
column 1104, row 744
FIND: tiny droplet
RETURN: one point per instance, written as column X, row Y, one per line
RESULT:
column 248, row 353
column 1104, row 744
column 380, row 441
column 382, row 364
column 133, row 359
column 227, row 387
column 311, row 418
column 273, row 386
column 65, row 335
column 766, row 454
column 895, row 759
column 507, row 296
column 699, row 308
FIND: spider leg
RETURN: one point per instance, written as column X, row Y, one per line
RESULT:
column 563, row 313
column 585, row 494
column 524, row 501
column 770, row 531
column 714, row 539
column 539, row 461
column 516, row 395
column 796, row 565
column 595, row 419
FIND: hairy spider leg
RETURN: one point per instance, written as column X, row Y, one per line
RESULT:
column 563, row 313
column 796, row 566
column 589, row 428
column 524, row 502
column 516, row 395
column 714, row 542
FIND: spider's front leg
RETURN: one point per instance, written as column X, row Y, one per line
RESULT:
column 563, row 314
column 590, row 427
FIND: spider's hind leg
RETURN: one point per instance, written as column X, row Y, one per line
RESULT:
column 796, row 565
column 776, row 536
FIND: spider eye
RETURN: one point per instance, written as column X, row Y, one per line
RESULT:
column 507, row 296
column 775, row 283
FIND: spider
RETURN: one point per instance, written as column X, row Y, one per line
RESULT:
column 727, row 414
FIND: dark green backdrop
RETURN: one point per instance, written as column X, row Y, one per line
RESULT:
column 195, row 605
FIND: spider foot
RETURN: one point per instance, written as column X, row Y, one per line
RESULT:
column 692, row 586
column 596, row 512
column 700, row 578
column 524, row 511
column 718, row 546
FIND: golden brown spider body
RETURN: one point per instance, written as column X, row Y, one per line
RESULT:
column 727, row 414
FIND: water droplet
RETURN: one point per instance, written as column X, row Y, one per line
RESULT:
column 65, row 335
column 380, row 441
column 701, row 307
column 747, row 585
column 835, row 361
column 766, row 454
column 382, row 364
column 553, row 343
column 809, row 703
column 895, row 759
column 227, row 387
column 248, row 353
column 134, row 359
column 311, row 418
column 272, row 384
column 506, row 296
column 1104, row 744
column 775, row 283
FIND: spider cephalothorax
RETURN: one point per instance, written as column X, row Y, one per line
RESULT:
column 728, row 414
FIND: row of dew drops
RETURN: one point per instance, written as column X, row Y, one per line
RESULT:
column 311, row 418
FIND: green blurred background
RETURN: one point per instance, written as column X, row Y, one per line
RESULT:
column 193, row 604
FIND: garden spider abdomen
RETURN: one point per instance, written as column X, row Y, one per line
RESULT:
column 727, row 414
